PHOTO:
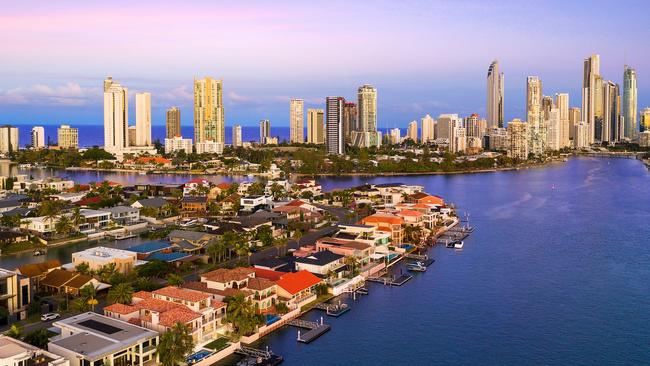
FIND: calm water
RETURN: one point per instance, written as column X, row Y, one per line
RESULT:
column 557, row 273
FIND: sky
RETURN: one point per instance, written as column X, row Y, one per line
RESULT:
column 422, row 56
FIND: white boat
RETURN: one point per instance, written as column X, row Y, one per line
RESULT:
column 459, row 245
column 416, row 267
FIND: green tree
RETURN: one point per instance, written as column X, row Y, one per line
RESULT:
column 216, row 250
column 241, row 315
column 88, row 294
column 353, row 265
column 121, row 293
column 82, row 268
column 64, row 226
column 175, row 345
column 38, row 338
column 14, row 331
column 265, row 235
column 174, row 280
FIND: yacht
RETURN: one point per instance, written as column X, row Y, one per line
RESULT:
column 459, row 244
column 416, row 267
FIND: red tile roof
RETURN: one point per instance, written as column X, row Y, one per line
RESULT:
column 381, row 219
column 142, row 295
column 259, row 284
column 410, row 213
column 121, row 309
column 156, row 305
column 268, row 274
column 180, row 314
column 295, row 203
column 224, row 185
column 181, row 293
column 223, row 275
column 295, row 282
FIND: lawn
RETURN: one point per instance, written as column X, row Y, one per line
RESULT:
column 218, row 344
column 18, row 247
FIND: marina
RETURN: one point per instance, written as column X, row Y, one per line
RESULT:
column 334, row 310
column 257, row 357
column 314, row 329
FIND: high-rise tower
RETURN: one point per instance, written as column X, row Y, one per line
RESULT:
column 591, row 76
column 296, row 121
column 209, row 120
column 116, row 116
column 495, row 82
column 334, row 125
column 629, row 102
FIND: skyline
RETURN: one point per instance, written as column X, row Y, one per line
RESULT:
column 442, row 70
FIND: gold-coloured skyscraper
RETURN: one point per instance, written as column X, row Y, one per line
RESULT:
column 209, row 120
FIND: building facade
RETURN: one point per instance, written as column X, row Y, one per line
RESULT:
column 38, row 137
column 495, row 83
column 296, row 121
column 209, row 117
column 518, row 135
column 67, row 137
column 536, row 126
column 315, row 126
column 116, row 116
column 334, row 125
column 412, row 132
column 178, row 143
column 143, row 119
column 591, row 77
column 173, row 123
column 629, row 102
column 428, row 129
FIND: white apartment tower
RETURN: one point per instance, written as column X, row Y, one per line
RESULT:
column 562, row 104
column 536, row 127
column 116, row 116
column 591, row 77
column 495, row 82
column 38, row 137
column 143, row 119
column 296, row 121
column 412, row 132
column 428, row 129
column 236, row 136
column 334, row 123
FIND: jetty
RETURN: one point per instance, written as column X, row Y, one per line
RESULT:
column 258, row 357
column 391, row 280
column 420, row 257
column 314, row 329
column 335, row 310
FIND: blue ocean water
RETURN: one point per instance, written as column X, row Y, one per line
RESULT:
column 93, row 135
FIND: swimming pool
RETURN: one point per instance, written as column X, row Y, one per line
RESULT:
column 271, row 318
column 198, row 356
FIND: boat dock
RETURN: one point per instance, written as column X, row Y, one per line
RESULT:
column 257, row 357
column 314, row 329
column 333, row 309
column 420, row 257
column 391, row 280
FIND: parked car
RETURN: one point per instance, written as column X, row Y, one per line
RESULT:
column 50, row 316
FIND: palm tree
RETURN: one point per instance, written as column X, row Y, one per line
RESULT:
column 242, row 249
column 77, row 218
column 353, row 265
column 64, row 226
column 14, row 331
column 215, row 250
column 175, row 345
column 241, row 314
column 89, row 294
column 120, row 293
column 174, row 280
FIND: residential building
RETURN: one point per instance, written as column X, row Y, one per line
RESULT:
column 644, row 138
column 143, row 119
column 296, row 121
column 15, row 293
column 582, row 133
column 644, row 120
column 591, row 77
column 265, row 131
column 38, row 137
column 124, row 215
column 518, row 135
column 194, row 206
column 574, row 119
column 395, row 136
column 322, row 263
column 495, row 96
column 8, row 139
column 445, row 126
column 209, row 147
column 334, row 122
column 14, row 352
column 553, row 136
column 367, row 110
column 94, row 220
column 475, row 127
column 236, row 136
column 412, row 132
column 132, row 132
column 177, row 143
column 98, row 257
column 116, row 116
column 315, row 126
column 562, row 104
column 610, row 129
column 350, row 121
column 60, row 281
column 209, row 119
column 428, row 129
column 629, row 102
column 173, row 123
column 536, row 127
column 91, row 339
column 67, row 137
column 388, row 223
column 298, row 288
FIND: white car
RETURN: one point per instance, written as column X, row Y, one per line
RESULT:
column 50, row 316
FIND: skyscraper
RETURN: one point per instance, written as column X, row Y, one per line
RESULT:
column 143, row 119
column 236, row 136
column 265, row 130
column 518, row 139
column 495, row 81
column 629, row 102
column 173, row 123
column 367, row 108
column 38, row 137
column 475, row 126
column 562, row 104
column 132, row 132
column 350, row 121
column 574, row 119
column 334, row 123
column 536, row 127
column 209, row 120
column 315, row 126
column 412, row 132
column 296, row 121
column 591, row 75
column 610, row 131
column 8, row 139
column 428, row 129
column 67, row 137
column 116, row 116
column 644, row 120
column 553, row 135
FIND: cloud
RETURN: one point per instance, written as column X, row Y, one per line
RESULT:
column 178, row 95
column 69, row 94
column 238, row 98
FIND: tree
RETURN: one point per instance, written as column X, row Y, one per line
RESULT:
column 155, row 268
column 216, row 250
column 38, row 338
column 175, row 345
column 14, row 331
column 265, row 235
column 107, row 271
column 82, row 268
column 120, row 293
column 277, row 191
column 174, row 280
column 242, row 315
column 353, row 265
column 89, row 295
column 281, row 308
column 77, row 218
column 64, row 226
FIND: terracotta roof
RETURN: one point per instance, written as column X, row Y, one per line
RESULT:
column 259, row 284
column 295, row 282
column 410, row 213
column 181, row 293
column 57, row 278
column 217, row 304
column 156, row 305
column 198, row 181
column 152, row 159
column 224, row 185
column 135, row 321
column 383, row 218
column 178, row 315
column 121, row 309
column 421, row 205
column 79, row 281
column 223, row 275
column 203, row 287
column 268, row 274
column 37, row 269
column 142, row 295
column 295, row 203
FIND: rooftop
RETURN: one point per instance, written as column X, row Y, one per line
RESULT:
column 104, row 254
column 181, row 293
column 149, row 247
column 295, row 282
column 320, row 258
column 223, row 275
